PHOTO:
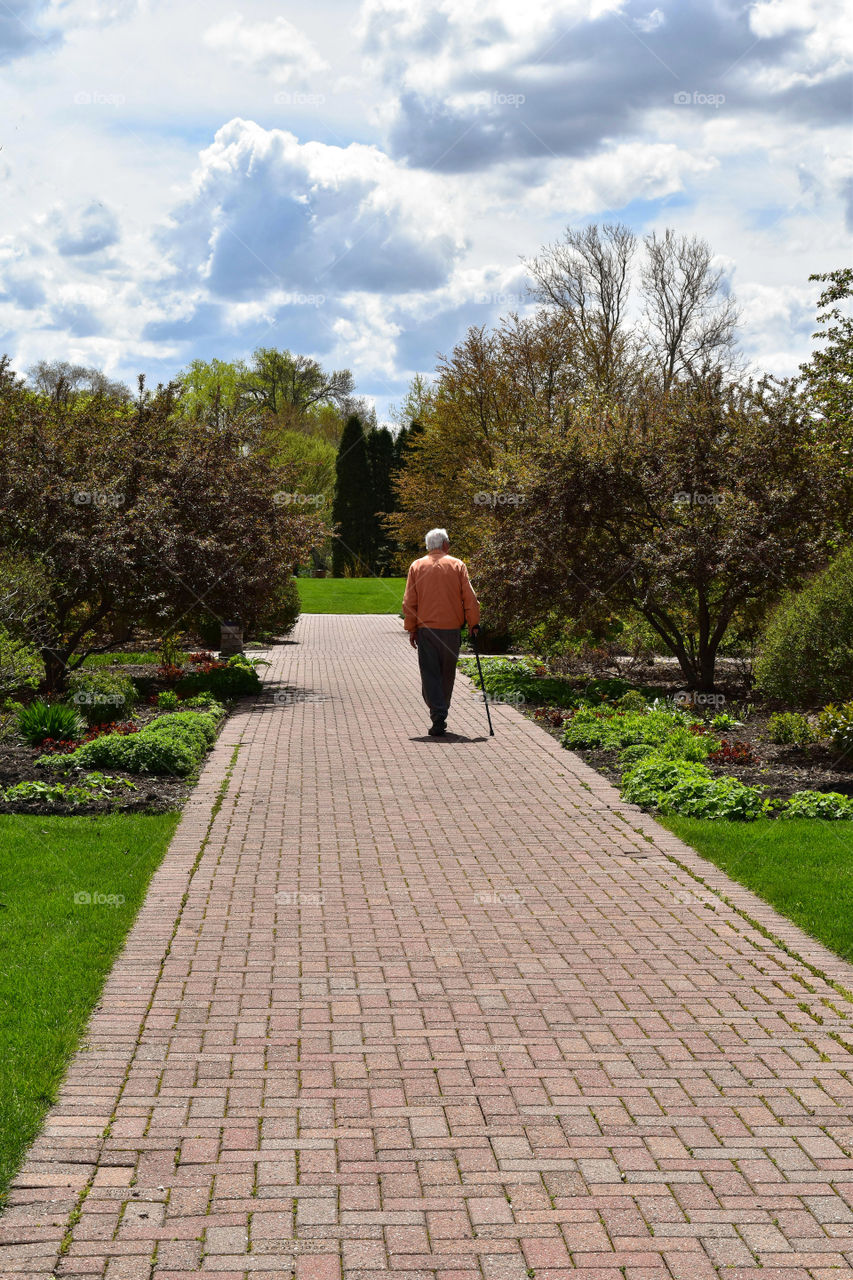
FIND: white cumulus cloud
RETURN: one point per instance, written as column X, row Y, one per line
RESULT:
column 276, row 48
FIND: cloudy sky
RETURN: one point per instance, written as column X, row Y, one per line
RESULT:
column 359, row 182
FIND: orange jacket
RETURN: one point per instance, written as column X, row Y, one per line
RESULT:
column 439, row 594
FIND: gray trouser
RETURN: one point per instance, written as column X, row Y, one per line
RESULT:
column 437, row 654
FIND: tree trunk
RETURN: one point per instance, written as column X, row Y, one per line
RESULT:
column 707, row 668
column 55, row 669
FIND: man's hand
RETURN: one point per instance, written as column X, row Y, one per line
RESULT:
column 413, row 639
column 475, row 630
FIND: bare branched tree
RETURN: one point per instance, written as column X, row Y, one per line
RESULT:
column 690, row 321
column 586, row 275
column 61, row 381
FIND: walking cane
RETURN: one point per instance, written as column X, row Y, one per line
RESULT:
column 482, row 684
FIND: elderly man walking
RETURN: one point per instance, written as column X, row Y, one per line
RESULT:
column 439, row 598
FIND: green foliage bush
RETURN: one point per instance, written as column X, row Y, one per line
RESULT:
column 171, row 744
column 687, row 788
column 681, row 744
column 516, row 681
column 633, row 700
column 609, row 729
column 279, row 614
column 102, row 696
column 837, row 723
column 828, row 805
column 790, row 728
column 223, row 682
column 42, row 720
column 168, row 700
column 806, row 655
column 203, row 702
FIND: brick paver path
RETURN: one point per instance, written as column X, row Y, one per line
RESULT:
column 441, row 1009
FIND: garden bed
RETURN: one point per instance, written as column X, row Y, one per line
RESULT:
column 145, row 762
column 777, row 753
column 781, row 771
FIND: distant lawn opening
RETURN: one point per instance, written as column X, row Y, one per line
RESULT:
column 803, row 867
column 72, row 887
column 351, row 595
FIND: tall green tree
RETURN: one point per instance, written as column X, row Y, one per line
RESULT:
column 277, row 381
column 381, row 458
column 353, row 507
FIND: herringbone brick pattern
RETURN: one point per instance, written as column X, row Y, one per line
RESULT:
column 442, row 1009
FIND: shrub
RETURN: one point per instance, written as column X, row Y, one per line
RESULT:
column 828, row 805
column 223, row 682
column 280, row 612
column 172, row 744
column 609, row 729
column 790, row 728
column 102, row 695
column 42, row 720
column 168, row 700
column 243, row 660
column 513, row 681
column 633, row 700
column 807, row 651
column 837, row 723
column 686, row 787
column 203, row 702
column 636, row 751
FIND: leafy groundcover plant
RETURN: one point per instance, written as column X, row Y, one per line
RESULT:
column 175, row 743
column 93, row 786
column 686, row 787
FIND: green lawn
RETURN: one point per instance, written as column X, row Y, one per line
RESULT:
column 351, row 595
column 54, row 952
column 802, row 867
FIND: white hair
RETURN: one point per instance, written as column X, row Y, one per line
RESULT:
column 436, row 539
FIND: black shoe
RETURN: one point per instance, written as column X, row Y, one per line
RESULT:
column 438, row 729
